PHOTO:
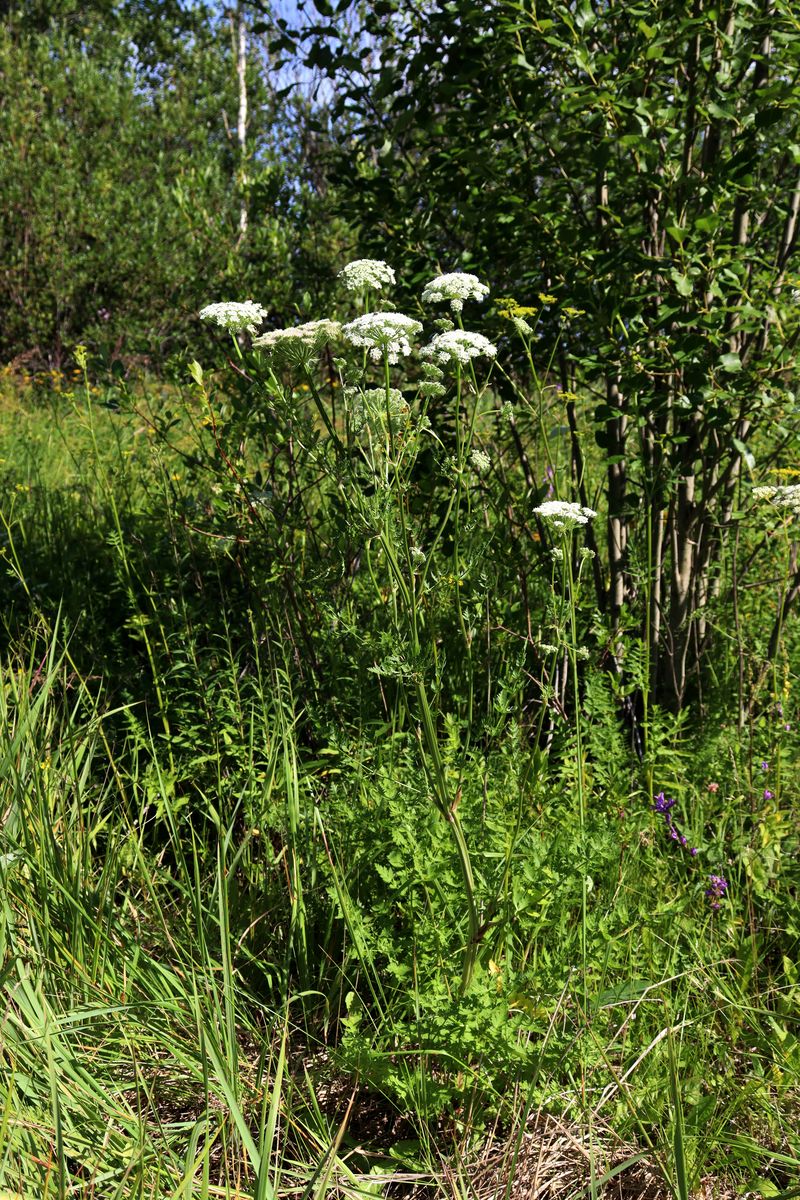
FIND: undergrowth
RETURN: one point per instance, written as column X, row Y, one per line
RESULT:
column 330, row 845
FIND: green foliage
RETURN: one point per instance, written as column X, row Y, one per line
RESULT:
column 638, row 168
column 304, row 630
column 327, row 757
column 120, row 195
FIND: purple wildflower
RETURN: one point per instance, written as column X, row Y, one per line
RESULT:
column 764, row 765
column 663, row 805
column 718, row 888
column 767, row 794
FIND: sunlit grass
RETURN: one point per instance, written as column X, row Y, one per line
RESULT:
column 232, row 927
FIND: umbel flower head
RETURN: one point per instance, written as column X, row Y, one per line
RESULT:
column 382, row 333
column 564, row 515
column 299, row 343
column 455, row 287
column 458, row 346
column 366, row 273
column 785, row 495
column 235, row 316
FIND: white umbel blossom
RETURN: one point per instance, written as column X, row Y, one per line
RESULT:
column 300, row 342
column 366, row 273
column 459, row 346
column 563, row 515
column 455, row 288
column 480, row 460
column 235, row 316
column 382, row 333
column 785, row 495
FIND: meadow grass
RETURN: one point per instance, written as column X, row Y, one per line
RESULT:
column 244, row 953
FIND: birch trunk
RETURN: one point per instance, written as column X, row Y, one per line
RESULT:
column 241, row 121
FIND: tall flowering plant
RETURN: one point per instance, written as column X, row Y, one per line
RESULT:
column 388, row 374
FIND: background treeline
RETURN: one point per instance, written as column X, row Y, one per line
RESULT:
column 122, row 180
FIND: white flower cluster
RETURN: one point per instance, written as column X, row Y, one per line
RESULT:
column 235, row 316
column 455, row 287
column 563, row 515
column 366, row 273
column 458, row 346
column 785, row 495
column 382, row 333
column 480, row 461
column 300, row 342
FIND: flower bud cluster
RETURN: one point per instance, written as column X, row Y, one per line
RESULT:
column 376, row 408
column 480, row 461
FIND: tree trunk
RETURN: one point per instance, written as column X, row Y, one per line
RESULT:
column 241, row 121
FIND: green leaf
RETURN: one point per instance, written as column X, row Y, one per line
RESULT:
column 720, row 113
column 682, row 283
column 730, row 362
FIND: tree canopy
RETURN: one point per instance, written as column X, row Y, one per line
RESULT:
column 638, row 164
column 120, row 179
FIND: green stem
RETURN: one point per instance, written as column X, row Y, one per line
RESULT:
column 573, row 657
column 445, row 802
column 448, row 810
